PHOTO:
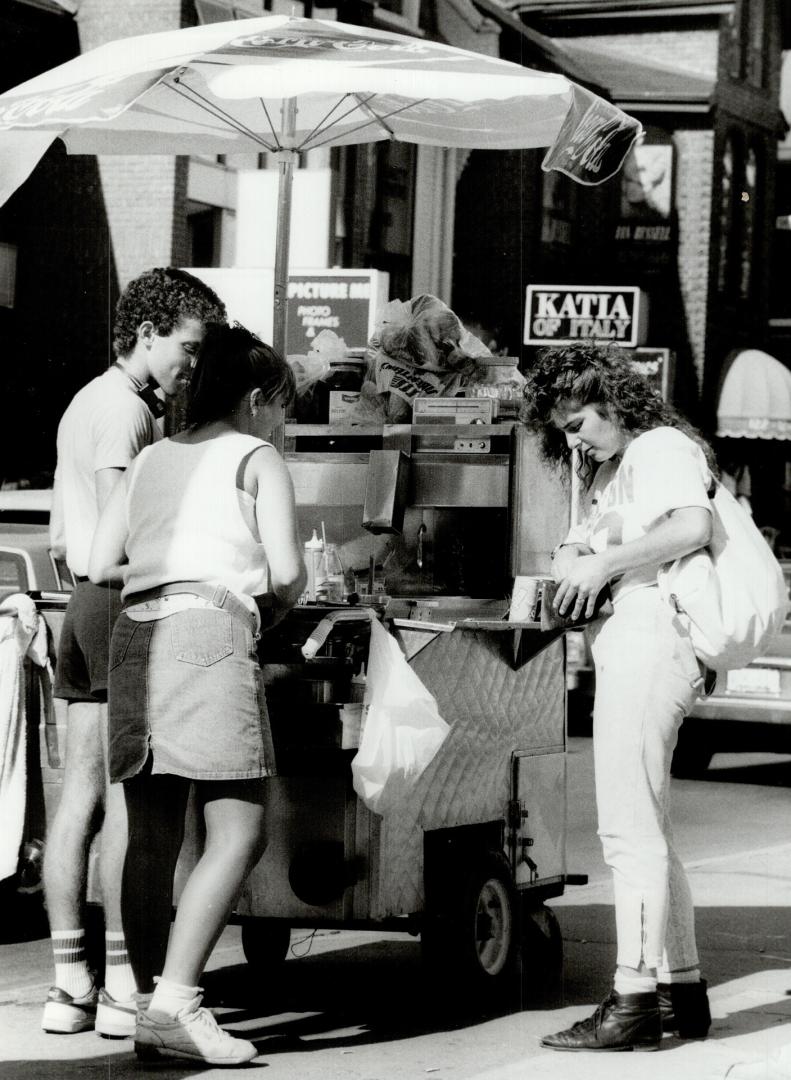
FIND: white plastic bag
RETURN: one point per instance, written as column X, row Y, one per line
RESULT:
column 732, row 591
column 402, row 729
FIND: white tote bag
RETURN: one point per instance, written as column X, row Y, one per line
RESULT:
column 732, row 591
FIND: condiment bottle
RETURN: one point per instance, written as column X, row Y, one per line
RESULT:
column 314, row 553
column 329, row 580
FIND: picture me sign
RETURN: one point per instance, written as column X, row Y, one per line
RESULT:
column 561, row 314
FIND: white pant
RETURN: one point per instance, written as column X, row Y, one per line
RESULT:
column 646, row 680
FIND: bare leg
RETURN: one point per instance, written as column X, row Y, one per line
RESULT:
column 113, row 841
column 155, row 806
column 72, row 829
column 235, row 841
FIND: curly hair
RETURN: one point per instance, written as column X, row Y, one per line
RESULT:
column 163, row 296
column 232, row 361
column 602, row 376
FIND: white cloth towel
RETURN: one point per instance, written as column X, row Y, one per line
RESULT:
column 23, row 632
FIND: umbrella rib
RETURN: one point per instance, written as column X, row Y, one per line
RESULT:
column 218, row 113
column 269, row 121
column 323, row 126
column 376, row 119
column 368, row 108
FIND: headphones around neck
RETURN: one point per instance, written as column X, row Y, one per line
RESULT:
column 146, row 393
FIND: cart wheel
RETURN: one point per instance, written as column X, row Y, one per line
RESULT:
column 471, row 944
column 265, row 942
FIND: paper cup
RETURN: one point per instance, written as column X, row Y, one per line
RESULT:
column 526, row 598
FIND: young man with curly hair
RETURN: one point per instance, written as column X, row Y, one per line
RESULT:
column 160, row 321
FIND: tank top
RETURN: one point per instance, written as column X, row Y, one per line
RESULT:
column 188, row 521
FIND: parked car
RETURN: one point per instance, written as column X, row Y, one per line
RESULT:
column 26, row 562
column 750, row 708
column 27, row 565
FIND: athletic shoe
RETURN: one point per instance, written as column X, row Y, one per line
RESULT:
column 193, row 1035
column 65, row 1015
column 115, row 1019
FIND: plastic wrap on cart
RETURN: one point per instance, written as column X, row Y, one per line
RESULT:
column 402, row 731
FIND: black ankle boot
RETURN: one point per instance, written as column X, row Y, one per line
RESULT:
column 621, row 1022
column 684, row 1008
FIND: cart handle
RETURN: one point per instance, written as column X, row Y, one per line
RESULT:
column 324, row 628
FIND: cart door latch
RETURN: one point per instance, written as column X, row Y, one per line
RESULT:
column 517, row 814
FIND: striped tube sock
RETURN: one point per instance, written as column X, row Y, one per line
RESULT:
column 71, row 968
column 119, row 980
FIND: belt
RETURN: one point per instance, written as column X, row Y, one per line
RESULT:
column 78, row 580
column 218, row 595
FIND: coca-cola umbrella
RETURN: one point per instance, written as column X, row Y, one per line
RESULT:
column 288, row 85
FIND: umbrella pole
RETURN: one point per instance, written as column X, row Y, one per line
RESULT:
column 285, row 159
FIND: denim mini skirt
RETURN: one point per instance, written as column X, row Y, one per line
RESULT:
column 188, row 689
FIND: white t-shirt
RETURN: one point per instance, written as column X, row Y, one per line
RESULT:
column 104, row 427
column 661, row 470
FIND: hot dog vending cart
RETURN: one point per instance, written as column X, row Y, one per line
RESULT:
column 467, row 856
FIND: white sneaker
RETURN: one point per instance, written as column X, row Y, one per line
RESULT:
column 66, row 1015
column 115, row 1019
column 194, row 1034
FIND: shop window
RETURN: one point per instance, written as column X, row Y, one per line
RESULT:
column 373, row 191
column 204, row 225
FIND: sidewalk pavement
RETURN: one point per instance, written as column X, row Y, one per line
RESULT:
column 325, row 1025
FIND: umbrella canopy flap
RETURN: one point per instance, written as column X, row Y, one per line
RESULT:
column 220, row 88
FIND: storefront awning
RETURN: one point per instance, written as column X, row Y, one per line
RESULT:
column 755, row 400
column 642, row 84
column 551, row 54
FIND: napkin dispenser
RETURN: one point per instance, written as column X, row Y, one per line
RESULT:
column 386, row 488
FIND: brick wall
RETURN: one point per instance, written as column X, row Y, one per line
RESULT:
column 144, row 196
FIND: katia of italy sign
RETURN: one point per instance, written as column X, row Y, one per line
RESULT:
column 561, row 314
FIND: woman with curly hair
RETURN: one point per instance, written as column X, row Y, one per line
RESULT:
column 646, row 474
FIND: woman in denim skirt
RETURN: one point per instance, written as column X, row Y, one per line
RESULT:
column 646, row 474
column 202, row 532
